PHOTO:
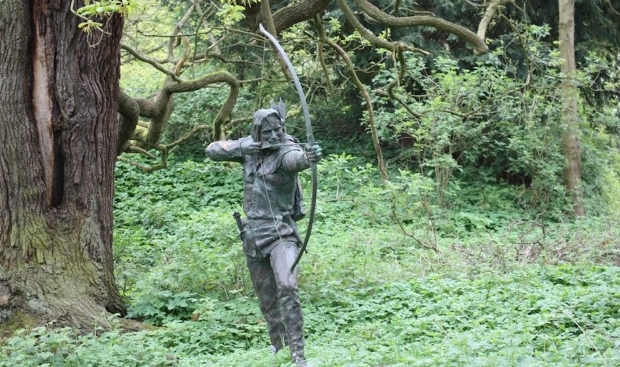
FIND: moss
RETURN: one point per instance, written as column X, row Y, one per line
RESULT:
column 17, row 320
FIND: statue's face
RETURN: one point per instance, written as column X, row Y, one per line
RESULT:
column 272, row 131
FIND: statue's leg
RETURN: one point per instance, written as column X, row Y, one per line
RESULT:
column 282, row 257
column 266, row 289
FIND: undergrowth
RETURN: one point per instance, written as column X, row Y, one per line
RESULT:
column 392, row 278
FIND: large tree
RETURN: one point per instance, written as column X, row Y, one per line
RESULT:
column 59, row 90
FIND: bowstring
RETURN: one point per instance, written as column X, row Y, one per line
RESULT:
column 273, row 215
column 271, row 210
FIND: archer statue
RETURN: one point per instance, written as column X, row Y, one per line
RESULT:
column 272, row 205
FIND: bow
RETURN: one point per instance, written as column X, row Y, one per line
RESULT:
column 309, row 134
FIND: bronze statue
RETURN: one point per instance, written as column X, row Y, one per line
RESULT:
column 272, row 204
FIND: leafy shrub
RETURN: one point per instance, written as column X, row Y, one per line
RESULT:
column 505, row 287
column 485, row 123
column 542, row 315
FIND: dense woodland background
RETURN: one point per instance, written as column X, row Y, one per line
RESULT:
column 445, row 235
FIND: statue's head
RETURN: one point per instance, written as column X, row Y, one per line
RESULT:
column 268, row 127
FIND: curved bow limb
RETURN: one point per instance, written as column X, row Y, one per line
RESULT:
column 309, row 134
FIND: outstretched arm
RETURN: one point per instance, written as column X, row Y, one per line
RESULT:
column 232, row 150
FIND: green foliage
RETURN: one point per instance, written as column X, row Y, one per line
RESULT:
column 180, row 220
column 503, row 290
column 230, row 13
column 540, row 315
column 106, row 7
column 160, row 306
column 101, row 9
column 150, row 18
column 511, row 282
column 485, row 123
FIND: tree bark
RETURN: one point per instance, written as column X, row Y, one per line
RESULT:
column 284, row 18
column 58, row 127
column 372, row 11
column 570, row 141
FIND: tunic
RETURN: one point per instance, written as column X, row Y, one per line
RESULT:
column 270, row 184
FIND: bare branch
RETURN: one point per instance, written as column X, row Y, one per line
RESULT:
column 163, row 163
column 364, row 32
column 149, row 61
column 396, row 82
column 612, row 7
column 159, row 108
column 203, row 16
column 488, row 16
column 363, row 91
column 213, row 78
column 185, row 137
column 484, row 4
column 417, row 20
column 129, row 113
column 172, row 43
column 298, row 12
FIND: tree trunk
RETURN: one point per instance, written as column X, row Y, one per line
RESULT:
column 570, row 140
column 58, row 104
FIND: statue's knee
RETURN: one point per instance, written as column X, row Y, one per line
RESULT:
column 290, row 288
column 288, row 292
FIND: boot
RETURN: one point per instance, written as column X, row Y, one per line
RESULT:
column 296, row 345
column 294, row 323
column 299, row 361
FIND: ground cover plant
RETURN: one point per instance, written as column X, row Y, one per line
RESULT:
column 391, row 279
